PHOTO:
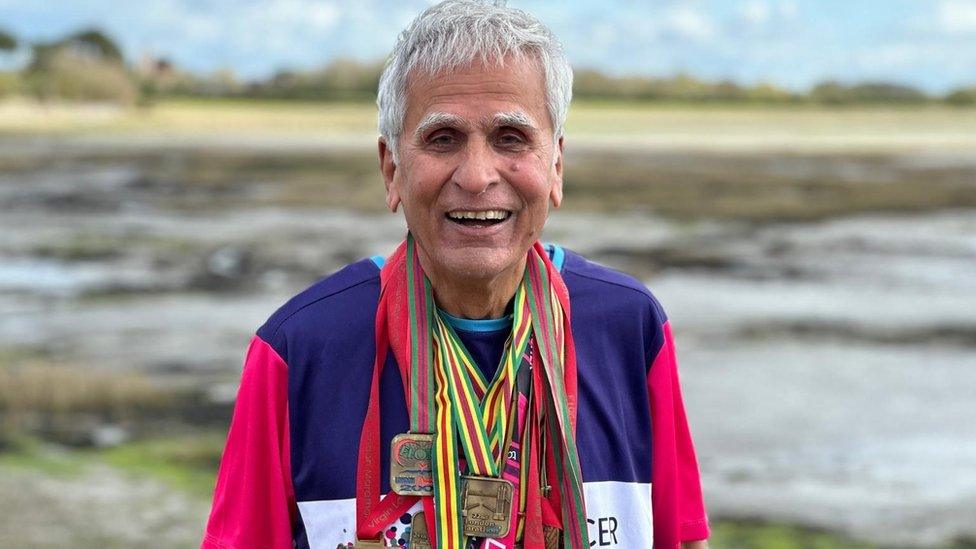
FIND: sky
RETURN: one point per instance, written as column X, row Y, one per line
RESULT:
column 929, row 44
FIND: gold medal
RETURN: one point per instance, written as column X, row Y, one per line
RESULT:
column 366, row 544
column 418, row 533
column 411, row 455
column 486, row 506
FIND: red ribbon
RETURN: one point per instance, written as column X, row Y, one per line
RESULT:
column 373, row 514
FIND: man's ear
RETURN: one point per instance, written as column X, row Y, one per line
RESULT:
column 556, row 194
column 388, row 169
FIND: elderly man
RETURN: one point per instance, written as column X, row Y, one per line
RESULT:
column 475, row 388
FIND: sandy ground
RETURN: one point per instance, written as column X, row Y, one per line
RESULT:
column 97, row 507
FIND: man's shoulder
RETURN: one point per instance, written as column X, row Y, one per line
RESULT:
column 342, row 302
column 590, row 281
column 607, row 301
column 342, row 305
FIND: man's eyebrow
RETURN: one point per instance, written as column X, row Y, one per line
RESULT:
column 437, row 120
column 516, row 119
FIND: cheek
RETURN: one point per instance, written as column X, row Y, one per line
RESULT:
column 532, row 184
column 423, row 185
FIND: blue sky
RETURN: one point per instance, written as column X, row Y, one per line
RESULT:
column 930, row 44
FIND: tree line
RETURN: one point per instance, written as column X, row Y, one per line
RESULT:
column 88, row 65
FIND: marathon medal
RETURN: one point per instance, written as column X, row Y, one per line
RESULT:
column 486, row 506
column 366, row 544
column 410, row 464
column 418, row 532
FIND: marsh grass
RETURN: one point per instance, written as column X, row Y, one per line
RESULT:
column 61, row 389
column 24, row 452
column 187, row 463
column 766, row 535
column 69, row 405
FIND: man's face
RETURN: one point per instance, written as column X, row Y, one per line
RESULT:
column 476, row 167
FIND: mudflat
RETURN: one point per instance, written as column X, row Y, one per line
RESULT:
column 817, row 266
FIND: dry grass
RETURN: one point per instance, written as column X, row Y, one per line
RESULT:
column 591, row 124
column 217, row 117
column 56, row 390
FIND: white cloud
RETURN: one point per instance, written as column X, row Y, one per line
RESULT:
column 289, row 14
column 323, row 16
column 958, row 16
column 688, row 22
column 759, row 13
column 756, row 12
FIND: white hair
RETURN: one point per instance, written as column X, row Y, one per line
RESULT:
column 455, row 33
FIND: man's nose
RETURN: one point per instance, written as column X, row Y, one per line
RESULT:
column 477, row 171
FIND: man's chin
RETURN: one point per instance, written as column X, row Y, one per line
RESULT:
column 478, row 264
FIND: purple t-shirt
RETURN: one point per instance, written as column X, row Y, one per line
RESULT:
column 294, row 438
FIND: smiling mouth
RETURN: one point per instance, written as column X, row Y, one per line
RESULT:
column 478, row 218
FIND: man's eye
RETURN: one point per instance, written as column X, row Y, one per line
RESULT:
column 510, row 139
column 441, row 140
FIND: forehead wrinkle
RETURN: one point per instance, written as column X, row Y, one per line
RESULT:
column 438, row 119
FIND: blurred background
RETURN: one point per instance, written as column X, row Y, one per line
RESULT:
column 794, row 179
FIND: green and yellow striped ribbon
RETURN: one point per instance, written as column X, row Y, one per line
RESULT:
column 479, row 414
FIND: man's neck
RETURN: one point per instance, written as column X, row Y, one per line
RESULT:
column 474, row 298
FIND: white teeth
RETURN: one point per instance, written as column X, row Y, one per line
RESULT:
column 484, row 214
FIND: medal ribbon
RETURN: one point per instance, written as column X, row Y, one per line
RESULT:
column 433, row 361
column 420, row 310
column 372, row 514
column 482, row 414
column 549, row 325
column 475, row 410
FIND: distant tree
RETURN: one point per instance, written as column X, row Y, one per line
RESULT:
column 7, row 41
column 886, row 92
column 97, row 43
column 90, row 43
column 962, row 97
column 350, row 79
column 831, row 93
column 10, row 83
column 342, row 79
column 64, row 73
column 835, row 93
column 768, row 93
column 727, row 90
column 593, row 83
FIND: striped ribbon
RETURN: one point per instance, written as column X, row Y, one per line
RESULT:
column 476, row 414
column 549, row 330
column 469, row 409
column 420, row 310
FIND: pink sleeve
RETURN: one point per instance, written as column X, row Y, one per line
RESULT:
column 254, row 501
column 679, row 512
